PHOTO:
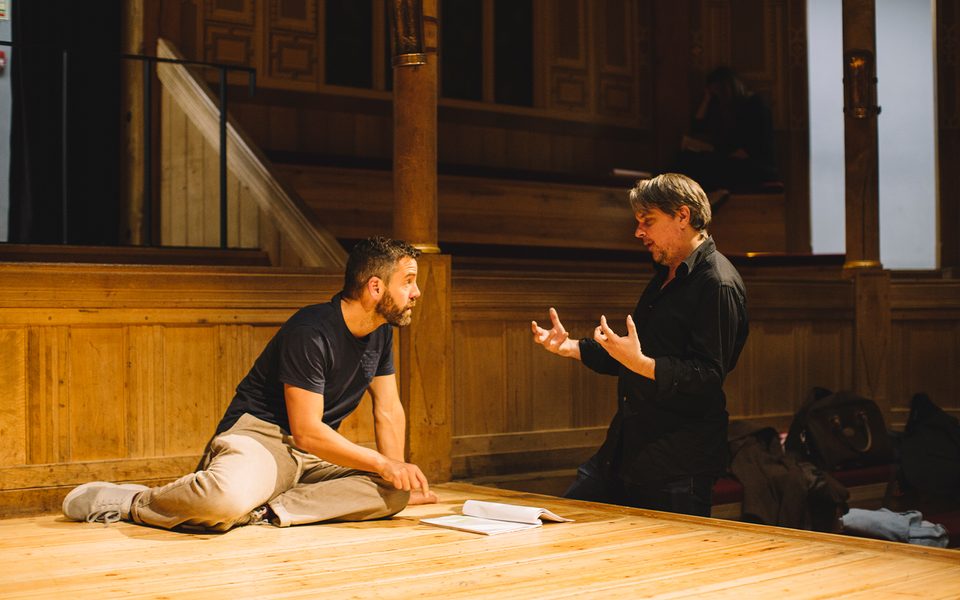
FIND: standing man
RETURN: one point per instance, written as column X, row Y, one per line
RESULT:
column 276, row 455
column 667, row 443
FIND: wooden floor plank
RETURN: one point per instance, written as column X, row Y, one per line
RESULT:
column 607, row 552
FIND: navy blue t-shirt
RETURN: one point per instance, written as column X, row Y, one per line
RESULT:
column 315, row 351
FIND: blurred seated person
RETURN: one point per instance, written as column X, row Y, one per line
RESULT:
column 730, row 145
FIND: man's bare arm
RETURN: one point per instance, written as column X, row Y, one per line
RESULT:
column 310, row 433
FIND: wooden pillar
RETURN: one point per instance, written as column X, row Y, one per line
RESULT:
column 871, row 282
column 948, row 133
column 426, row 369
column 872, row 330
column 860, row 135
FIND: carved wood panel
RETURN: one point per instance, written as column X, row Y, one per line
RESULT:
column 295, row 47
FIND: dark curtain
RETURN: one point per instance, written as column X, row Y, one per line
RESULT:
column 90, row 33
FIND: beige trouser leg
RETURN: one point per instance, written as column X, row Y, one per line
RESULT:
column 255, row 462
column 327, row 492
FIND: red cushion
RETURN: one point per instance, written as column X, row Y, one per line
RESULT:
column 727, row 490
column 864, row 475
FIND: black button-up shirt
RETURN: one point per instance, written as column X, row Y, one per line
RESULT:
column 694, row 328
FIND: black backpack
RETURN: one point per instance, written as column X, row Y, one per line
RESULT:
column 930, row 449
column 840, row 430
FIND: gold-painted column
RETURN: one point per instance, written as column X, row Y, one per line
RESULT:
column 415, row 90
column 860, row 135
column 426, row 367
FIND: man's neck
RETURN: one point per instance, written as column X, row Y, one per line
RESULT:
column 690, row 248
column 360, row 319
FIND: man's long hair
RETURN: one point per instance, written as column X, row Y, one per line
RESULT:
column 373, row 257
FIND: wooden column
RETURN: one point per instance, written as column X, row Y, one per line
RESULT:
column 948, row 133
column 426, row 369
column 860, row 135
column 872, row 330
column 872, row 283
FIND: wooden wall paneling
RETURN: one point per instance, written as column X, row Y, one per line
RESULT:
column 284, row 128
column 234, row 199
column 207, row 191
column 828, row 356
column 480, row 377
column 540, row 386
column 615, row 44
column 774, row 356
column 314, row 131
column 165, row 226
column 291, row 51
column 569, row 86
column 95, row 417
column 925, row 340
column 374, row 135
column 518, row 150
column 922, row 351
column 13, row 408
column 595, row 402
column 249, row 221
column 46, row 391
column 343, row 133
column 493, row 146
column 144, row 397
column 233, row 357
column 190, row 383
column 173, row 192
column 269, row 238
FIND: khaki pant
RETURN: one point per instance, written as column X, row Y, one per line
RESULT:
column 255, row 463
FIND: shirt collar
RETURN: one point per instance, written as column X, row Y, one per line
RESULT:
column 705, row 249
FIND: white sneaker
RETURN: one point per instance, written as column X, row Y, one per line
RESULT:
column 100, row 502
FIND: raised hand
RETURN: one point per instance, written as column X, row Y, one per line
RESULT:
column 625, row 349
column 556, row 339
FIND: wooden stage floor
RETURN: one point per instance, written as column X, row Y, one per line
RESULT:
column 608, row 552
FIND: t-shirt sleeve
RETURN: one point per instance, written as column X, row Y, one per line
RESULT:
column 386, row 357
column 303, row 359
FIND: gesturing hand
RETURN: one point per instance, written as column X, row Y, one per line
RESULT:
column 624, row 349
column 556, row 339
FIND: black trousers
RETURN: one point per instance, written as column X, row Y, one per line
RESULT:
column 689, row 495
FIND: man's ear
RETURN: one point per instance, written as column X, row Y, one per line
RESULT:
column 683, row 213
column 376, row 287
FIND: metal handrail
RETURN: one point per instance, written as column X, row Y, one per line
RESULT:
column 148, row 62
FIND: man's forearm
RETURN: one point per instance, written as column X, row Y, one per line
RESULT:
column 390, row 430
column 326, row 443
